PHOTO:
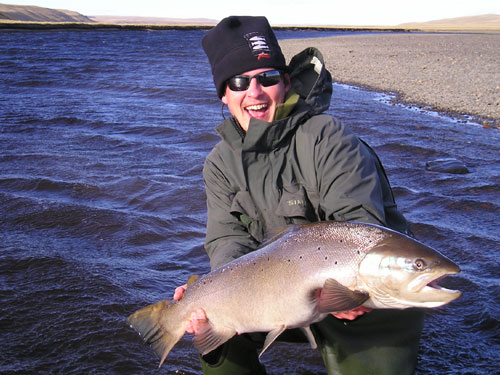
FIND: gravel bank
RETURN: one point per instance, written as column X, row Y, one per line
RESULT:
column 454, row 73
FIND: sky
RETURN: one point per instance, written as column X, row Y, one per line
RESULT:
column 282, row 12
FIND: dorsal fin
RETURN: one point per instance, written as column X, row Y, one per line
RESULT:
column 191, row 280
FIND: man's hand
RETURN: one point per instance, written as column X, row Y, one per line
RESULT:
column 198, row 318
column 352, row 314
column 197, row 322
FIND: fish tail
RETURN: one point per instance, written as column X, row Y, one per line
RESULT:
column 159, row 326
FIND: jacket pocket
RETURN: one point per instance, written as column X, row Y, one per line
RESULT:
column 243, row 208
column 294, row 204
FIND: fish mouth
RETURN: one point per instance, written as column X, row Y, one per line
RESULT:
column 435, row 286
column 436, row 295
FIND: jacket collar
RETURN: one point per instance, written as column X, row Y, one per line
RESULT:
column 261, row 135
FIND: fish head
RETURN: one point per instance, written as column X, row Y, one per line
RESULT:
column 400, row 272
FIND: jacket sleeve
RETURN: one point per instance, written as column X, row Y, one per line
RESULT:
column 227, row 238
column 347, row 176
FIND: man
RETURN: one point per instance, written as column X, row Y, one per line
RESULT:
column 282, row 161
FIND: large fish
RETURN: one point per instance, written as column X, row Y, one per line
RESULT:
column 296, row 279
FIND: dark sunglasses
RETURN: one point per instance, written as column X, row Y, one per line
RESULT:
column 266, row 79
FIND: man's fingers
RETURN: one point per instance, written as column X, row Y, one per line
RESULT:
column 197, row 322
column 352, row 314
column 179, row 291
column 189, row 327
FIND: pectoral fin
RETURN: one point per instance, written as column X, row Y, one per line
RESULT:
column 271, row 336
column 208, row 339
column 335, row 297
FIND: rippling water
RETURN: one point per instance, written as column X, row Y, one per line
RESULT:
column 103, row 136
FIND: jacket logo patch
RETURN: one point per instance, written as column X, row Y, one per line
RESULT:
column 296, row 202
column 258, row 45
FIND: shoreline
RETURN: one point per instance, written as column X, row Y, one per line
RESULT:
column 6, row 24
column 451, row 73
column 39, row 26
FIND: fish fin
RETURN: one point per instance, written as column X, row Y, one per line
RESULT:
column 150, row 322
column 310, row 337
column 336, row 297
column 271, row 336
column 191, row 280
column 208, row 338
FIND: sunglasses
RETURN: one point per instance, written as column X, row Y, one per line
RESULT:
column 266, row 79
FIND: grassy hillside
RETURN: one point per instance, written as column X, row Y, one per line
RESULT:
column 38, row 14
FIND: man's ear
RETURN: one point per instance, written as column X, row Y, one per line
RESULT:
column 224, row 99
column 288, row 83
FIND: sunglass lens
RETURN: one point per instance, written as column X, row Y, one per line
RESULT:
column 270, row 78
column 239, row 83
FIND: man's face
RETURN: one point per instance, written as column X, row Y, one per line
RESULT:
column 257, row 101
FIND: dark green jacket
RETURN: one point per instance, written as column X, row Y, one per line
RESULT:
column 305, row 167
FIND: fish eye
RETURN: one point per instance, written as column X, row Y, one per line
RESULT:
column 419, row 264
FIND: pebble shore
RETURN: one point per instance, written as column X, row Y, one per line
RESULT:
column 455, row 73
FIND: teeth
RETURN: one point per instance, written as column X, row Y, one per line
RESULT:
column 257, row 107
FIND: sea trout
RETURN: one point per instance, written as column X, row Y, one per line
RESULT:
column 296, row 279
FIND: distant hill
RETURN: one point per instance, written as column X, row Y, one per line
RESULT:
column 39, row 14
column 30, row 13
column 483, row 21
column 153, row 20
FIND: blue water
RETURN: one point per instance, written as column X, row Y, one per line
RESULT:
column 103, row 137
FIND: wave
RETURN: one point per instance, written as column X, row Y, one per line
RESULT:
column 77, row 220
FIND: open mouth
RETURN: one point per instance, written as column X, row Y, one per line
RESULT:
column 430, row 294
column 434, row 285
column 257, row 109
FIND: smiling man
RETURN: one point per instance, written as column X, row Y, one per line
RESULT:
column 255, row 94
column 283, row 161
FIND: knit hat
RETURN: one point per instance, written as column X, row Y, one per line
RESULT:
column 239, row 44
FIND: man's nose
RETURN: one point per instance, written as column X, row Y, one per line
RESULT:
column 255, row 88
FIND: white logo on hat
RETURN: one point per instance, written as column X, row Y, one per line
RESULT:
column 258, row 45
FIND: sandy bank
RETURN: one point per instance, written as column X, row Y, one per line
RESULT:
column 448, row 72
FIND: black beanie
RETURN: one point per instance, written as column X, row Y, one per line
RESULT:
column 239, row 44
